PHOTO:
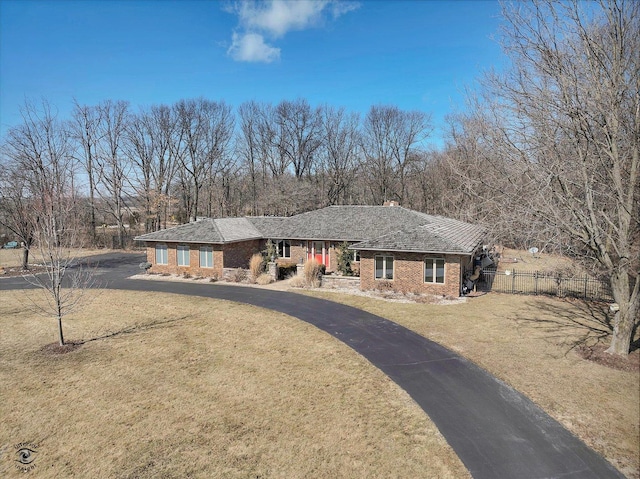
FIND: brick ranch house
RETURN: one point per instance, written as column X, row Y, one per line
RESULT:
column 395, row 247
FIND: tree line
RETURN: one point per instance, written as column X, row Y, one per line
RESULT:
column 200, row 157
column 545, row 153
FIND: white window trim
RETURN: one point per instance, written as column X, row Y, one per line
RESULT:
column 356, row 256
column 165, row 255
column 207, row 250
column 435, row 271
column 181, row 248
column 283, row 249
column 384, row 267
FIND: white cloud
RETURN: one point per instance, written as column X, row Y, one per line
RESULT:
column 251, row 47
column 341, row 7
column 274, row 19
column 278, row 17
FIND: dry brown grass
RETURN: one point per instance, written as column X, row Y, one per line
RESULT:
column 11, row 258
column 527, row 342
column 193, row 387
column 256, row 266
column 544, row 262
column 312, row 273
column 264, row 279
column 297, row 281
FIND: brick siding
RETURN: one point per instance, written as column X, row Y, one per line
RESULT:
column 408, row 273
column 296, row 252
column 194, row 268
column 236, row 255
column 408, row 267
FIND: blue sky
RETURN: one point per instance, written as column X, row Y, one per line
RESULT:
column 417, row 55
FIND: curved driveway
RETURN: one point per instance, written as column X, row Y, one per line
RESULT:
column 497, row 432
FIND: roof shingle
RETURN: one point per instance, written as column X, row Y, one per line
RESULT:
column 215, row 231
column 388, row 228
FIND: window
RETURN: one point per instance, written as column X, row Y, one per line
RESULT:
column 356, row 255
column 284, row 249
column 384, row 267
column 206, row 257
column 183, row 255
column 161, row 254
column 434, row 270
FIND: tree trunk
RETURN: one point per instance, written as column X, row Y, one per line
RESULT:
column 625, row 317
column 92, row 206
column 25, row 258
column 60, row 335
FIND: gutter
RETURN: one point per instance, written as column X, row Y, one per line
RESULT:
column 387, row 250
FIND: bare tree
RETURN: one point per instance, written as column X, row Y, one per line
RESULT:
column 150, row 137
column 64, row 282
column 84, row 130
column 220, row 165
column 164, row 130
column 248, row 148
column 389, row 135
column 39, row 170
column 16, row 206
column 341, row 150
column 38, row 156
column 205, row 131
column 483, row 180
column 114, row 165
column 568, row 123
column 297, row 135
column 272, row 158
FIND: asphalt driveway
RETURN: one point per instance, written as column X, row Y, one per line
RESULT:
column 496, row 431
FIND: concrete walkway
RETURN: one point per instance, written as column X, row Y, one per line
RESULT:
column 497, row 432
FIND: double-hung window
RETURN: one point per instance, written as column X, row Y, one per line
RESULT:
column 206, row 257
column 384, row 267
column 183, row 255
column 161, row 254
column 434, row 270
column 284, row 249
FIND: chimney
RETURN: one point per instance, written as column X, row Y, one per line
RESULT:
column 391, row 203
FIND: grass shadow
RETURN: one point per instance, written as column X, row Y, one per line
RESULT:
column 135, row 329
column 571, row 323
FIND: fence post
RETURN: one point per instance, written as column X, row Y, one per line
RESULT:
column 513, row 282
column 536, row 283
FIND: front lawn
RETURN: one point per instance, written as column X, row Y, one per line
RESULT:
column 176, row 386
column 531, row 342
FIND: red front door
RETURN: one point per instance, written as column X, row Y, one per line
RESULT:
column 319, row 252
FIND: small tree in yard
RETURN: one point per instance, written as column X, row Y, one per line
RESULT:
column 63, row 283
column 37, row 153
column 344, row 259
column 270, row 251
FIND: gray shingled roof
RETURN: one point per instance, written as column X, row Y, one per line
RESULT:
column 351, row 223
column 269, row 226
column 215, row 231
column 380, row 228
column 440, row 235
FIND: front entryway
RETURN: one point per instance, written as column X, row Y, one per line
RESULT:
column 318, row 250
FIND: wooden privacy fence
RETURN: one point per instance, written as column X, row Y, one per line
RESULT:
column 536, row 282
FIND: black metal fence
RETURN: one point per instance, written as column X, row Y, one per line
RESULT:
column 536, row 282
